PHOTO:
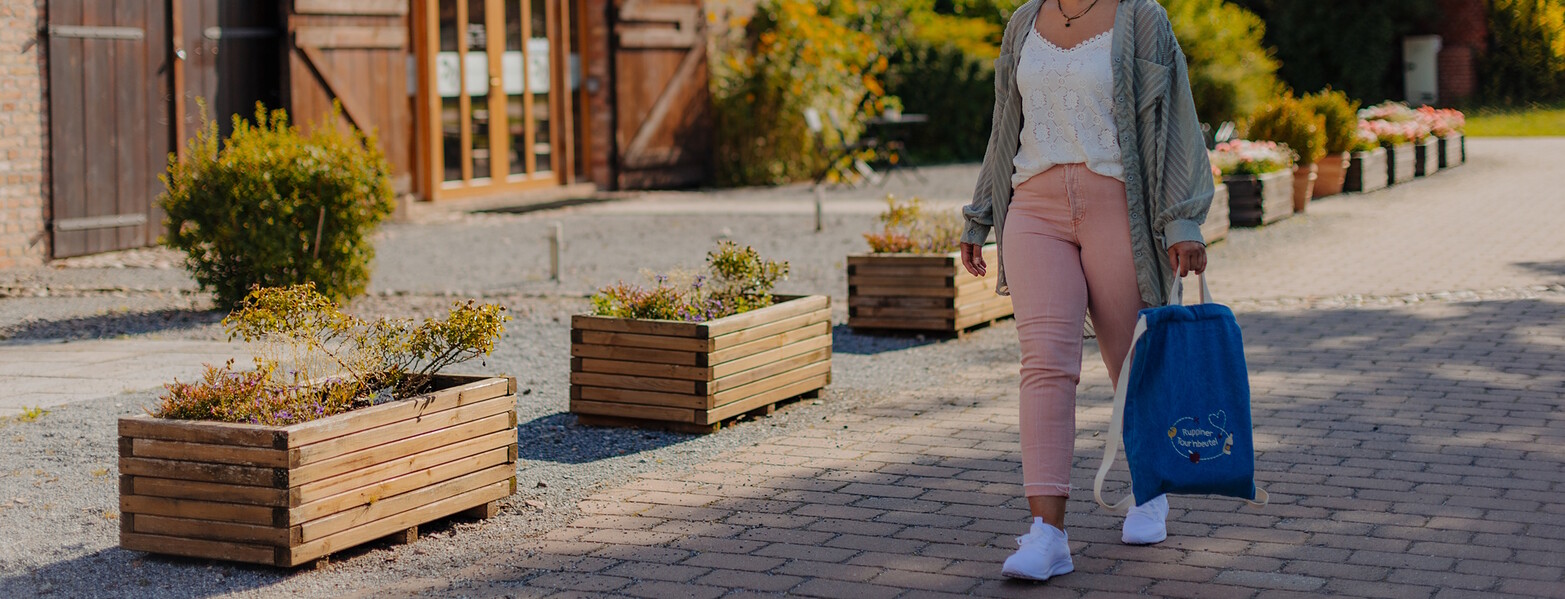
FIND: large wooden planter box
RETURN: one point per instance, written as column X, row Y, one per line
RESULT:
column 1216, row 226
column 1400, row 167
column 287, row 495
column 930, row 293
column 694, row 376
column 1367, row 171
column 1451, row 150
column 1426, row 157
column 1255, row 200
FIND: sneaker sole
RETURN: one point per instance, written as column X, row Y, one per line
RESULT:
column 1159, row 539
column 1056, row 570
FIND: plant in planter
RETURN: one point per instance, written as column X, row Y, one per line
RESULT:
column 1339, row 120
column 694, row 350
column 346, row 431
column 1400, row 131
column 1447, row 125
column 1290, row 122
column 1367, row 163
column 914, row 281
column 1259, row 176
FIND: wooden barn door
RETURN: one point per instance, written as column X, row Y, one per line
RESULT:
column 109, row 113
column 355, row 52
column 229, row 57
column 663, row 107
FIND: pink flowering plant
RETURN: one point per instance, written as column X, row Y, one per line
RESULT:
column 1394, row 123
column 315, row 361
column 1243, row 157
column 736, row 280
column 1443, row 122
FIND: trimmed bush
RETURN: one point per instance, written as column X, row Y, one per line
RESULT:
column 1339, row 118
column 274, row 207
column 1288, row 121
column 1526, row 60
column 1232, row 72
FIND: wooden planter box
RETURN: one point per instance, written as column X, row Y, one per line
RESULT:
column 1451, row 150
column 287, row 495
column 1426, row 157
column 930, row 293
column 1255, row 200
column 1400, row 163
column 1332, row 173
column 1367, row 171
column 1216, row 226
column 693, row 376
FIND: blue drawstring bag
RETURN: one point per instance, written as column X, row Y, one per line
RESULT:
column 1183, row 407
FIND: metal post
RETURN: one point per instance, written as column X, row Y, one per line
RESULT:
column 819, row 200
column 556, row 242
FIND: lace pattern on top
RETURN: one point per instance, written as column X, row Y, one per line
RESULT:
column 1067, row 103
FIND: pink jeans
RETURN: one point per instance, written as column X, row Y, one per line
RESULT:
column 1067, row 252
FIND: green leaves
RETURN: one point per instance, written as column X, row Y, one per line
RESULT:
column 908, row 228
column 737, row 279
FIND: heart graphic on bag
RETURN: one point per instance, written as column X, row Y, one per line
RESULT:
column 1201, row 441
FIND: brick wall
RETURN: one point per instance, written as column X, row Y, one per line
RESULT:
column 24, row 136
column 1464, row 34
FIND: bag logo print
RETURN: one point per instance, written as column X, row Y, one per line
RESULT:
column 1201, row 442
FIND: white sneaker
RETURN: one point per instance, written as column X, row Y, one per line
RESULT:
column 1147, row 523
column 1044, row 552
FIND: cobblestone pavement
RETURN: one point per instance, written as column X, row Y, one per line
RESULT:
column 1406, row 353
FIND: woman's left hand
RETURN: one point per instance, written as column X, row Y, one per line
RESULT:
column 1187, row 257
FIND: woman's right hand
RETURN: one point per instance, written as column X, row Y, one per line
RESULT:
column 973, row 259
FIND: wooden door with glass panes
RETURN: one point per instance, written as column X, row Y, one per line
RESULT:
column 492, row 118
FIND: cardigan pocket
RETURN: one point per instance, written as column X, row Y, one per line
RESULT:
column 1151, row 84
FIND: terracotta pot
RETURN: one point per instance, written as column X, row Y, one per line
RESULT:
column 1303, row 184
column 1332, row 174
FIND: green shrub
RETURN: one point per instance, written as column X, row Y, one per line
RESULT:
column 1351, row 45
column 737, row 279
column 271, row 206
column 1232, row 72
column 1288, row 121
column 956, row 88
column 1339, row 116
column 1526, row 59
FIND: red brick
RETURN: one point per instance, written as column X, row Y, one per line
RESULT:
column 752, row 581
column 671, row 590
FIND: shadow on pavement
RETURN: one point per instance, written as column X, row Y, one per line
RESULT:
column 117, row 572
column 1556, row 268
column 559, row 439
column 845, row 341
column 106, row 326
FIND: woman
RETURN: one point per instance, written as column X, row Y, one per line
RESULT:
column 1096, row 182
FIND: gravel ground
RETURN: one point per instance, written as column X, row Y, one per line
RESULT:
column 58, row 474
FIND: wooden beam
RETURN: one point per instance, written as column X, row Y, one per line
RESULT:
column 351, row 108
column 343, row 36
column 351, row 7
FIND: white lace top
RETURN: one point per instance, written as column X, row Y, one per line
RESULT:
column 1067, row 97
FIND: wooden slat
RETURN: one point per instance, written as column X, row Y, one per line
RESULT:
column 642, row 341
column 901, row 281
column 662, row 371
column 904, row 291
column 345, row 36
column 943, row 260
column 390, row 506
column 636, row 354
column 751, row 389
column 207, row 452
column 238, row 552
column 199, row 471
column 193, row 431
column 773, row 396
column 787, row 351
column 769, row 343
column 351, row 471
column 469, row 390
column 900, row 301
column 769, row 329
column 893, row 270
column 589, row 322
column 784, row 308
column 384, row 471
column 380, row 528
column 351, row 7
column 427, row 423
column 633, row 382
column 189, row 489
column 202, row 510
column 774, row 368
column 211, row 531
column 623, row 410
column 889, row 312
column 647, row 398
column 912, row 324
column 401, row 484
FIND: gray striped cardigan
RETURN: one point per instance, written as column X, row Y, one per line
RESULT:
column 1168, row 176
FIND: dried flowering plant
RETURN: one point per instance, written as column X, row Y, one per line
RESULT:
column 335, row 362
column 736, row 279
column 1244, row 157
column 907, row 228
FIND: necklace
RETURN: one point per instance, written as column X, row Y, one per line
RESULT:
column 1061, row 5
